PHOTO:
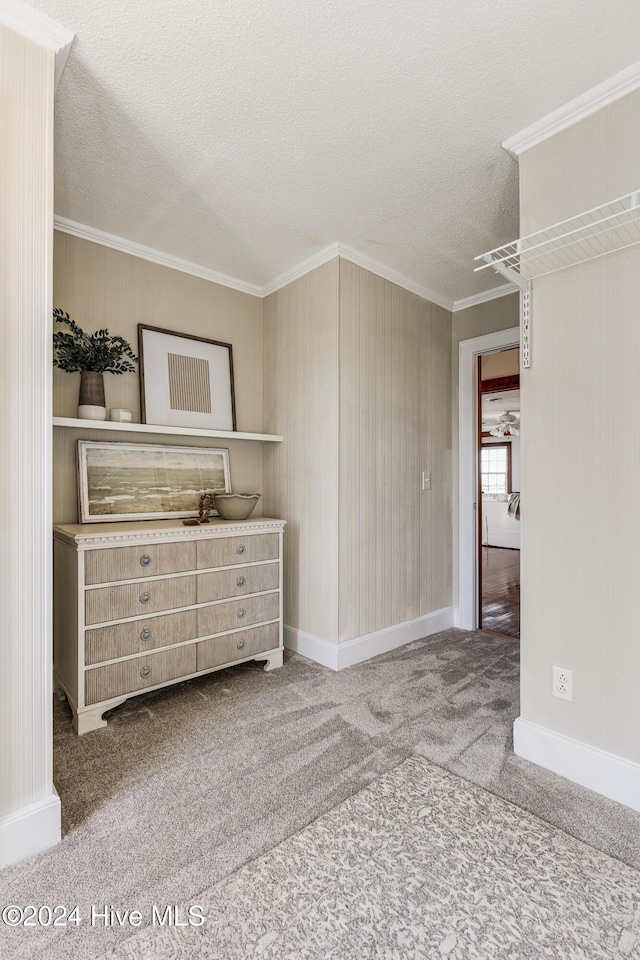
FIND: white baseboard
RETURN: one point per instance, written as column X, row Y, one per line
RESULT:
column 30, row 830
column 337, row 656
column 457, row 616
column 505, row 539
column 313, row 648
column 603, row 772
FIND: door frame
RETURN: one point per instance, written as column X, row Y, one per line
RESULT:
column 469, row 351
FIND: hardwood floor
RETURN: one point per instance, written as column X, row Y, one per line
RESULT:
column 501, row 591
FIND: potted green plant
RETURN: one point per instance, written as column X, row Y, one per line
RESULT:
column 91, row 355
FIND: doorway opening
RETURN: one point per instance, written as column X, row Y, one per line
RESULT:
column 469, row 538
column 498, row 379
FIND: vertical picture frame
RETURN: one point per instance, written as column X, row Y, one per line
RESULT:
column 185, row 381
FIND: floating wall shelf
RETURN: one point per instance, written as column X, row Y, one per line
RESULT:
column 595, row 233
column 152, row 428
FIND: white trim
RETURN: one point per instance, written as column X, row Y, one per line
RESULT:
column 40, row 29
column 294, row 273
column 313, row 648
column 337, row 656
column 61, row 60
column 469, row 350
column 155, row 256
column 591, row 767
column 343, row 250
column 502, row 291
column 33, row 25
column 30, row 830
column 299, row 270
column 583, row 106
column 372, row 644
column 388, row 273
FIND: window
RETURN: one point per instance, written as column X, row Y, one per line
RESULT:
column 495, row 467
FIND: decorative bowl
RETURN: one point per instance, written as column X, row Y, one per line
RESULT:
column 236, row 506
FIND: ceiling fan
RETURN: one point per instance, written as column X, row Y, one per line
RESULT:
column 506, row 424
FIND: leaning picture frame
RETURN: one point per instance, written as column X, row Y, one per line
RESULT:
column 144, row 481
column 185, row 381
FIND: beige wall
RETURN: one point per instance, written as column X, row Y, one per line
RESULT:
column 101, row 287
column 359, row 385
column 358, row 380
column 394, row 420
column 361, row 380
column 503, row 364
column 489, row 317
column 580, row 599
column 301, row 474
column 26, row 226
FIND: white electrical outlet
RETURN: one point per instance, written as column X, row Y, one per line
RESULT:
column 426, row 480
column 562, row 683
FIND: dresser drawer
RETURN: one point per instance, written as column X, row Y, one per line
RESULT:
column 235, row 646
column 103, row 683
column 229, row 550
column 128, row 563
column 237, row 583
column 237, row 613
column 136, row 599
column 124, row 639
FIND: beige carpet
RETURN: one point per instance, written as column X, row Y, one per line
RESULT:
column 419, row 864
column 187, row 784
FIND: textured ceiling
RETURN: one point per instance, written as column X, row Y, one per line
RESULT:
column 495, row 404
column 245, row 135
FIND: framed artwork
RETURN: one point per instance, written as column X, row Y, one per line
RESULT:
column 143, row 481
column 185, row 381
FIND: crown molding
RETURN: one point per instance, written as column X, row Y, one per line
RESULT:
column 61, row 60
column 39, row 28
column 306, row 266
column 387, row 273
column 346, row 252
column 155, row 256
column 204, row 273
column 583, row 106
column 502, row 291
column 36, row 26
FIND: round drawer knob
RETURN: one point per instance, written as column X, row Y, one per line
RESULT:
column 241, row 644
column 241, row 581
column 145, row 672
column 145, row 560
column 241, row 613
column 240, row 548
column 145, row 597
column 146, row 634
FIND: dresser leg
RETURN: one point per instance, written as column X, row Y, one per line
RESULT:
column 274, row 660
column 91, row 718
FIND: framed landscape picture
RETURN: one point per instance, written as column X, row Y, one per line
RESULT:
column 185, row 381
column 141, row 481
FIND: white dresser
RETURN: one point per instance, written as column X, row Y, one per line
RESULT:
column 138, row 606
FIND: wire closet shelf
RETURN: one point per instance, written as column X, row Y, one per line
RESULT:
column 595, row 233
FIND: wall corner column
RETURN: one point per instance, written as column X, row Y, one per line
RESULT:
column 29, row 806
